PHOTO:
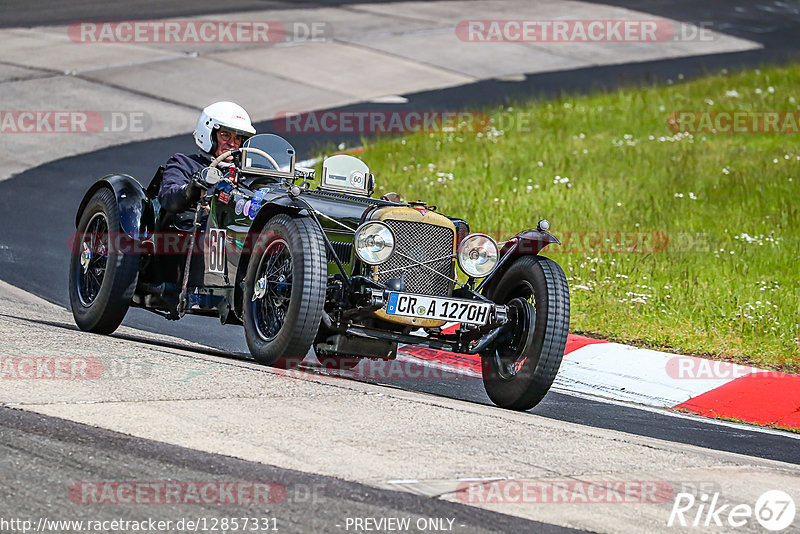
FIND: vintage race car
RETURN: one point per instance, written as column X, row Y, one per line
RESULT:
column 328, row 267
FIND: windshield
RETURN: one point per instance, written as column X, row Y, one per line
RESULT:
column 276, row 146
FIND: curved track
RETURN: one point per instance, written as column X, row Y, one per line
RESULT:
column 37, row 218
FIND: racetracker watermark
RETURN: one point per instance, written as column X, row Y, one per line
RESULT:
column 571, row 241
column 615, row 242
column 100, row 244
column 149, row 524
column 581, row 31
column 73, row 122
column 447, row 366
column 71, row 368
column 385, row 121
column 691, row 368
column 198, row 31
column 178, row 492
column 735, row 122
column 50, row 368
column 565, row 492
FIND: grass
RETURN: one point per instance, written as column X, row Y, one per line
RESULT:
column 715, row 215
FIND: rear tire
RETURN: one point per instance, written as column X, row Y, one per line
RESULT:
column 285, row 289
column 102, row 277
column 519, row 370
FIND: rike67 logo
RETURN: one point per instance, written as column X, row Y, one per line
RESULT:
column 774, row 510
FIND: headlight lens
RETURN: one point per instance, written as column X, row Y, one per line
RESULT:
column 477, row 255
column 374, row 242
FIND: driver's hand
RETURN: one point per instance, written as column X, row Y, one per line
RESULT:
column 192, row 191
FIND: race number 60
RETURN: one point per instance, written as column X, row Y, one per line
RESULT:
column 215, row 251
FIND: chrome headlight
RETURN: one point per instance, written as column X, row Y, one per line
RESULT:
column 374, row 242
column 477, row 255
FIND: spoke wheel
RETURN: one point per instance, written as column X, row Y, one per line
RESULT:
column 102, row 274
column 273, row 289
column 285, row 291
column 519, row 370
column 93, row 250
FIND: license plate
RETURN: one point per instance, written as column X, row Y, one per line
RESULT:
column 442, row 308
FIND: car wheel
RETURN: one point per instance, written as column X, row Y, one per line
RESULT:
column 285, row 291
column 519, row 370
column 102, row 275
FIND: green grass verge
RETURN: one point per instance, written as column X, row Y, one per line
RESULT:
column 718, row 213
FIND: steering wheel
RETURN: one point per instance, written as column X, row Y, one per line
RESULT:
column 258, row 151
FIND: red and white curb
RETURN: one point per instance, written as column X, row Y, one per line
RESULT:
column 663, row 380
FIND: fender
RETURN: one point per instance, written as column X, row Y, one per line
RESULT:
column 527, row 242
column 136, row 215
column 268, row 210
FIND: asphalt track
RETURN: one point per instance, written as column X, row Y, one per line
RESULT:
column 21, row 13
column 37, row 206
column 37, row 217
column 34, row 448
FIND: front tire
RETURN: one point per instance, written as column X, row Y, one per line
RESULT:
column 519, row 370
column 102, row 276
column 284, row 293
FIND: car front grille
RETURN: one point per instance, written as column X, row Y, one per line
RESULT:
column 422, row 243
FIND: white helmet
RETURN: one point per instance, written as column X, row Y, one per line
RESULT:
column 221, row 115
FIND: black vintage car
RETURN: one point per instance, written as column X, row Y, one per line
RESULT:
column 326, row 266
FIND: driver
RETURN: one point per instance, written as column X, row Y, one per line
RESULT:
column 222, row 126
